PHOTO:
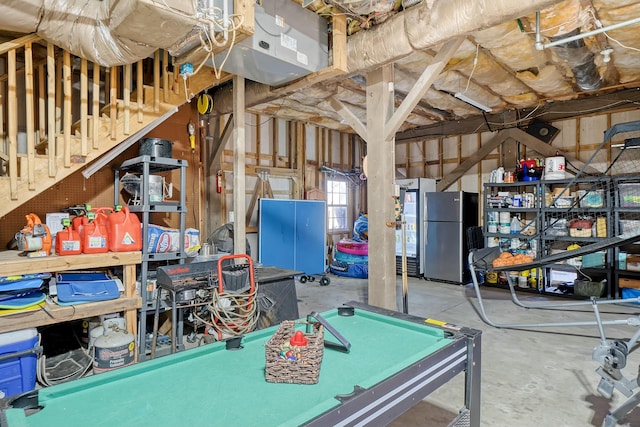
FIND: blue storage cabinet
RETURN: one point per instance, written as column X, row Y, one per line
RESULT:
column 292, row 234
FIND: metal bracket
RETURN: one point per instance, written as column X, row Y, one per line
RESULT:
column 344, row 344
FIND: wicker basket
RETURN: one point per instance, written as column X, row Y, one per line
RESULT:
column 304, row 370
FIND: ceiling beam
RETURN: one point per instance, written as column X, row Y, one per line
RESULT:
column 548, row 150
column 552, row 111
column 349, row 117
column 483, row 152
column 518, row 135
column 426, row 79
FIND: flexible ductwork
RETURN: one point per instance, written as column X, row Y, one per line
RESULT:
column 109, row 33
column 425, row 25
column 581, row 61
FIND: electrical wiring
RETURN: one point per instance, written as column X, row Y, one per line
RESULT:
column 232, row 313
column 619, row 43
column 475, row 64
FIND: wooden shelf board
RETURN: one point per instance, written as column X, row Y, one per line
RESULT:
column 56, row 314
column 11, row 263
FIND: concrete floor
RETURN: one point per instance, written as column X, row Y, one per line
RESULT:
column 543, row 377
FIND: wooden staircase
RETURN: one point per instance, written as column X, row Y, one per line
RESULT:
column 59, row 112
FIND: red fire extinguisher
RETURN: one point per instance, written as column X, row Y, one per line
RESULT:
column 219, row 182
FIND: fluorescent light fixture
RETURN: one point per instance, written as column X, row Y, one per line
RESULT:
column 120, row 148
column 465, row 98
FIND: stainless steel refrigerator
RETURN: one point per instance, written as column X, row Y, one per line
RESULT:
column 414, row 190
column 447, row 216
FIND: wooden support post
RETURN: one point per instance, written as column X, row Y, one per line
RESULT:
column 156, row 82
column 95, row 106
column 380, row 182
column 126, row 96
column 12, row 107
column 165, row 76
column 113, row 102
column 30, row 117
column 66, row 75
column 139, row 91
column 84, row 107
column 239, row 202
column 42, row 103
column 299, row 187
column 51, row 109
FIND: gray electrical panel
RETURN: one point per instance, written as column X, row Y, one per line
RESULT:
column 289, row 42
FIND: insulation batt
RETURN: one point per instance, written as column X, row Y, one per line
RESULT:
column 21, row 16
column 426, row 25
column 81, row 28
column 109, row 33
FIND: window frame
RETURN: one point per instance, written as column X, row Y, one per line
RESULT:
column 330, row 196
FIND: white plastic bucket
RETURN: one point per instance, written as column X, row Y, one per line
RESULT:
column 554, row 167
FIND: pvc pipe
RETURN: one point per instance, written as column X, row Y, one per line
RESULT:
column 581, row 35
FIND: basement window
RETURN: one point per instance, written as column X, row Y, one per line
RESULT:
column 337, row 192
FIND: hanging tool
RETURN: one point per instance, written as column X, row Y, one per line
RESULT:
column 191, row 129
column 34, row 239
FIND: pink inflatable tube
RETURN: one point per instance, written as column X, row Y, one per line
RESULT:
column 353, row 247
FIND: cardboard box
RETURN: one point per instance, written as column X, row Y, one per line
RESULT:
column 633, row 262
column 623, row 282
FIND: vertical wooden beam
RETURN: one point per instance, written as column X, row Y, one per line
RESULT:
column 239, row 185
column 480, row 186
column 459, row 159
column 113, row 102
column 84, row 107
column 30, row 117
column 129, row 277
column 576, row 147
column 326, row 137
column 59, row 95
column 424, row 157
column 380, row 185
column 67, row 116
column 12, row 107
column 126, row 96
column 258, row 140
column 440, row 157
column 319, row 183
column 275, row 136
column 609, row 150
column 139, row 91
column 156, row 82
column 165, row 76
column 42, row 103
column 339, row 48
column 300, row 156
column 51, row 109
column 407, row 159
column 95, row 106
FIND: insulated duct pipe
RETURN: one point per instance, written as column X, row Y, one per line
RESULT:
column 580, row 59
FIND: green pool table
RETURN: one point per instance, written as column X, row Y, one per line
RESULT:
column 395, row 360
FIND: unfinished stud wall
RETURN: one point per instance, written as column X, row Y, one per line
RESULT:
column 434, row 158
column 274, row 169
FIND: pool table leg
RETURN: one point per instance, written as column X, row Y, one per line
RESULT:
column 472, row 377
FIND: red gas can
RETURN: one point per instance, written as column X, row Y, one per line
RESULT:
column 124, row 231
column 68, row 240
column 94, row 237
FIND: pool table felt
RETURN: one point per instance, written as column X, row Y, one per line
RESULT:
column 213, row 386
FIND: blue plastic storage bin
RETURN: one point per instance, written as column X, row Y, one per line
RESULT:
column 630, row 293
column 18, row 374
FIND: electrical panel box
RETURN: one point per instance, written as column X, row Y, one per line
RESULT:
column 289, row 42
